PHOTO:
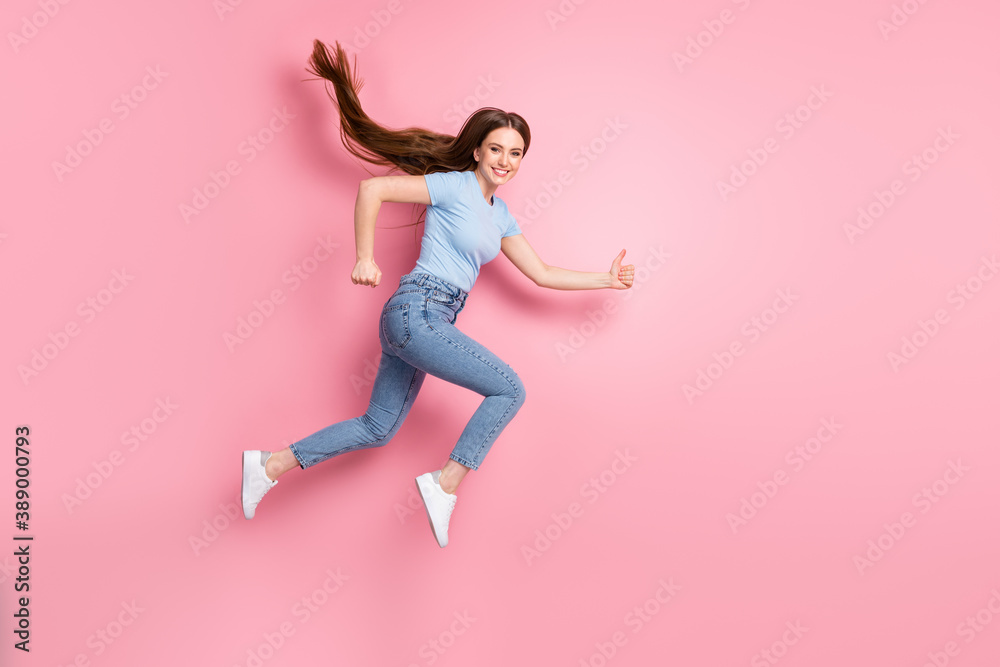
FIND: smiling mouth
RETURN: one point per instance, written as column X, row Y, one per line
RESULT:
column 500, row 172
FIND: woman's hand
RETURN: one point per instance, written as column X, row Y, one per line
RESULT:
column 366, row 272
column 621, row 276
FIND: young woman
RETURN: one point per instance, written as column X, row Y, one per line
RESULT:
column 467, row 225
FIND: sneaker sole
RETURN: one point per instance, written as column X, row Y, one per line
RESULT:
column 246, row 484
column 423, row 498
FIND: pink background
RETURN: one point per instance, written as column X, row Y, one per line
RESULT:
column 641, row 143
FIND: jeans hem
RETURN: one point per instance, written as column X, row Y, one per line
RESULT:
column 467, row 464
column 297, row 457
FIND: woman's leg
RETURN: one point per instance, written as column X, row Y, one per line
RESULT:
column 434, row 345
column 280, row 462
column 393, row 393
column 437, row 347
column 452, row 474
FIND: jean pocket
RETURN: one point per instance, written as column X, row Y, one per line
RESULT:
column 437, row 296
column 395, row 323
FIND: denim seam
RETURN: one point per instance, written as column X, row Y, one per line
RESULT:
column 473, row 353
column 298, row 458
column 499, row 421
column 485, row 361
column 428, row 280
column 413, row 380
column 467, row 464
column 405, row 308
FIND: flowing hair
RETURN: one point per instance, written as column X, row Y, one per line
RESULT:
column 414, row 150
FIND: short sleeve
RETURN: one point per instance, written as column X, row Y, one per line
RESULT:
column 512, row 227
column 443, row 187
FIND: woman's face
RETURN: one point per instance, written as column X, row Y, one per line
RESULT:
column 499, row 155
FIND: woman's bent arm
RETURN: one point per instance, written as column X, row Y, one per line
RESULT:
column 371, row 193
column 365, row 213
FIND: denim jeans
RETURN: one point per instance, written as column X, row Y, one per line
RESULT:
column 418, row 336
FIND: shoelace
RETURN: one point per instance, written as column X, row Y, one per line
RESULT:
column 270, row 485
column 451, row 508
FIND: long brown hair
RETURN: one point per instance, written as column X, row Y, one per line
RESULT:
column 413, row 150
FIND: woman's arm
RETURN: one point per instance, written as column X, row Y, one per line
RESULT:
column 371, row 193
column 523, row 256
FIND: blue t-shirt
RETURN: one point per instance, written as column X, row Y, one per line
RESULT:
column 462, row 231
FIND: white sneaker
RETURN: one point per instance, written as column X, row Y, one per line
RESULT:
column 439, row 505
column 255, row 481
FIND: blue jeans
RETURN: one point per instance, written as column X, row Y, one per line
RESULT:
column 418, row 336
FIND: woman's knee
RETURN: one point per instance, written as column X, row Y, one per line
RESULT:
column 380, row 430
column 517, row 389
